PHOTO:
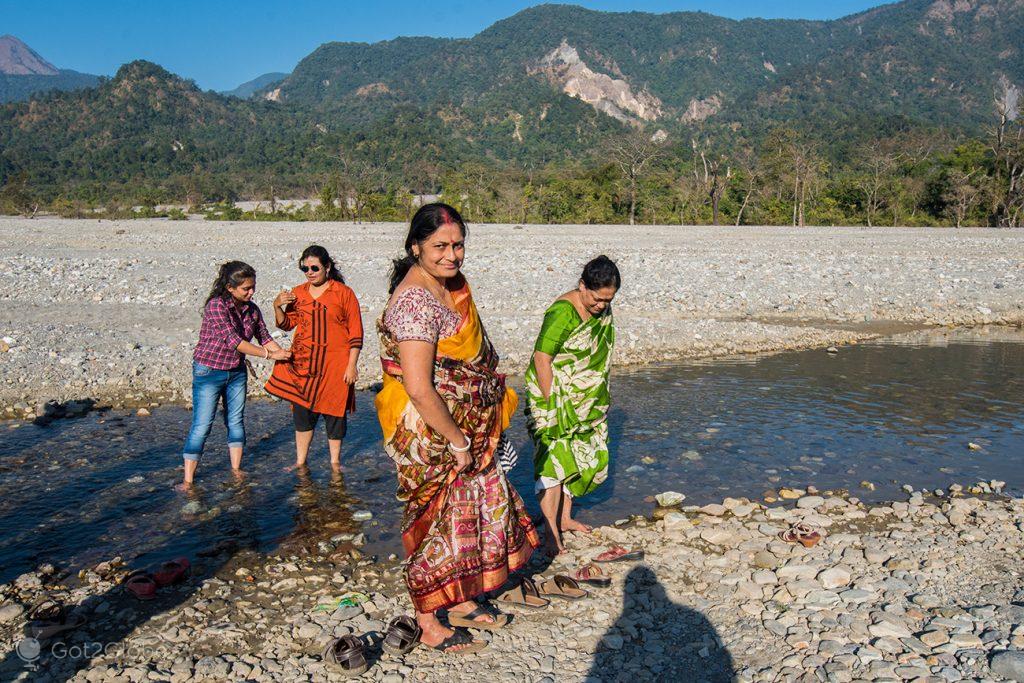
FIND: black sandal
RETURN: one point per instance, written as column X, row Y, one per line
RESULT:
column 460, row 637
column 469, row 619
column 348, row 654
column 402, row 637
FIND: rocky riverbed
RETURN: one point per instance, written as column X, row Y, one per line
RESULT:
column 108, row 311
column 924, row 589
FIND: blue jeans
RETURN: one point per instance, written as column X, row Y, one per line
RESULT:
column 209, row 386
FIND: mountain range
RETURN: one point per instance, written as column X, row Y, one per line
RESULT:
column 24, row 73
column 541, row 87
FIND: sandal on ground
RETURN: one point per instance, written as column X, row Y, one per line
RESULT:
column 469, row 619
column 524, row 594
column 801, row 533
column 563, row 587
column 172, row 571
column 460, row 637
column 141, row 584
column 50, row 618
column 348, row 656
column 619, row 554
column 402, row 636
column 592, row 576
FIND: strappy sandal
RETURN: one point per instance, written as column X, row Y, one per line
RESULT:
column 348, row 656
column 469, row 619
column 592, row 576
column 50, row 618
column 402, row 636
column 172, row 571
column 460, row 637
column 619, row 554
column 524, row 594
column 563, row 587
column 801, row 533
column 141, row 584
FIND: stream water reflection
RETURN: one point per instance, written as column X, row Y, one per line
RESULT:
column 79, row 491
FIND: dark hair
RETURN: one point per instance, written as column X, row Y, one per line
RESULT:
column 601, row 272
column 231, row 274
column 320, row 254
column 425, row 223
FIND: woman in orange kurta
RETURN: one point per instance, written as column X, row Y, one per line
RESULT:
column 319, row 378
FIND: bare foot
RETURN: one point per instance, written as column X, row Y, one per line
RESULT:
column 239, row 475
column 296, row 466
column 464, row 608
column 183, row 486
column 553, row 546
column 577, row 527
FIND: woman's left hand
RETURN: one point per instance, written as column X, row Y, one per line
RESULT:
column 351, row 375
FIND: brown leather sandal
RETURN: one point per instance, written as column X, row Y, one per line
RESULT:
column 402, row 636
column 563, row 587
column 348, row 656
column 524, row 594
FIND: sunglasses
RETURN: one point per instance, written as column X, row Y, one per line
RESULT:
column 306, row 269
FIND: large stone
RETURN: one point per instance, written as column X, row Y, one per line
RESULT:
column 810, row 502
column 934, row 638
column 10, row 612
column 714, row 509
column 834, row 577
column 884, row 628
column 716, row 536
column 1009, row 664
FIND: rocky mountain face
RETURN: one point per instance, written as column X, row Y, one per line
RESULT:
column 18, row 59
column 929, row 61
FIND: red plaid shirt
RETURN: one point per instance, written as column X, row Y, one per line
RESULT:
column 224, row 327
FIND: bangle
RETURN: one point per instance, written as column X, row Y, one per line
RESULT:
column 464, row 449
column 266, row 351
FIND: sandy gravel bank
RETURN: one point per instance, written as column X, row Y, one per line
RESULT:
column 110, row 310
column 924, row 589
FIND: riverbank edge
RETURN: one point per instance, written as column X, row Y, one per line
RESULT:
column 836, row 335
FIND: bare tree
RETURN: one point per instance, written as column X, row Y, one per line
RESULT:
column 877, row 165
column 1006, row 140
column 796, row 169
column 748, row 166
column 361, row 176
column 633, row 152
column 963, row 194
column 711, row 173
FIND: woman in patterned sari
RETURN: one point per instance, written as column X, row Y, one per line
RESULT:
column 443, row 408
column 568, row 399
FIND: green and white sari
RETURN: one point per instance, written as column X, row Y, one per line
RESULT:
column 570, row 428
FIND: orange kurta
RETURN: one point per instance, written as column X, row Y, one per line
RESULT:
column 326, row 329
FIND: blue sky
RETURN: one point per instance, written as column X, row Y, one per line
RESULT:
column 222, row 44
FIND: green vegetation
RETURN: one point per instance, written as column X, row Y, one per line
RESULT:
column 885, row 117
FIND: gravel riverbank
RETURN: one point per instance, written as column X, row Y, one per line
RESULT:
column 925, row 589
column 109, row 310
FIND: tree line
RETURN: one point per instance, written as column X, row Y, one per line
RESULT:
column 912, row 177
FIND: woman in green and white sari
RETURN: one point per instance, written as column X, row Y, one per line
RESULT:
column 568, row 399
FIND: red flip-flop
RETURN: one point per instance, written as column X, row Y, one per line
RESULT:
column 172, row 571
column 141, row 585
column 619, row 554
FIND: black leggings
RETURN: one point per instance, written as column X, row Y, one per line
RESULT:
column 306, row 419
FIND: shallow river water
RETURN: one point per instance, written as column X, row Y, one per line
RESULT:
column 892, row 412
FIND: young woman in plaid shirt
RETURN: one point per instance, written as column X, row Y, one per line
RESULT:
column 230, row 321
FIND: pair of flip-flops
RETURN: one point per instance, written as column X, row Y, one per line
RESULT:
column 531, row 594
column 617, row 553
column 50, row 618
column 143, row 584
